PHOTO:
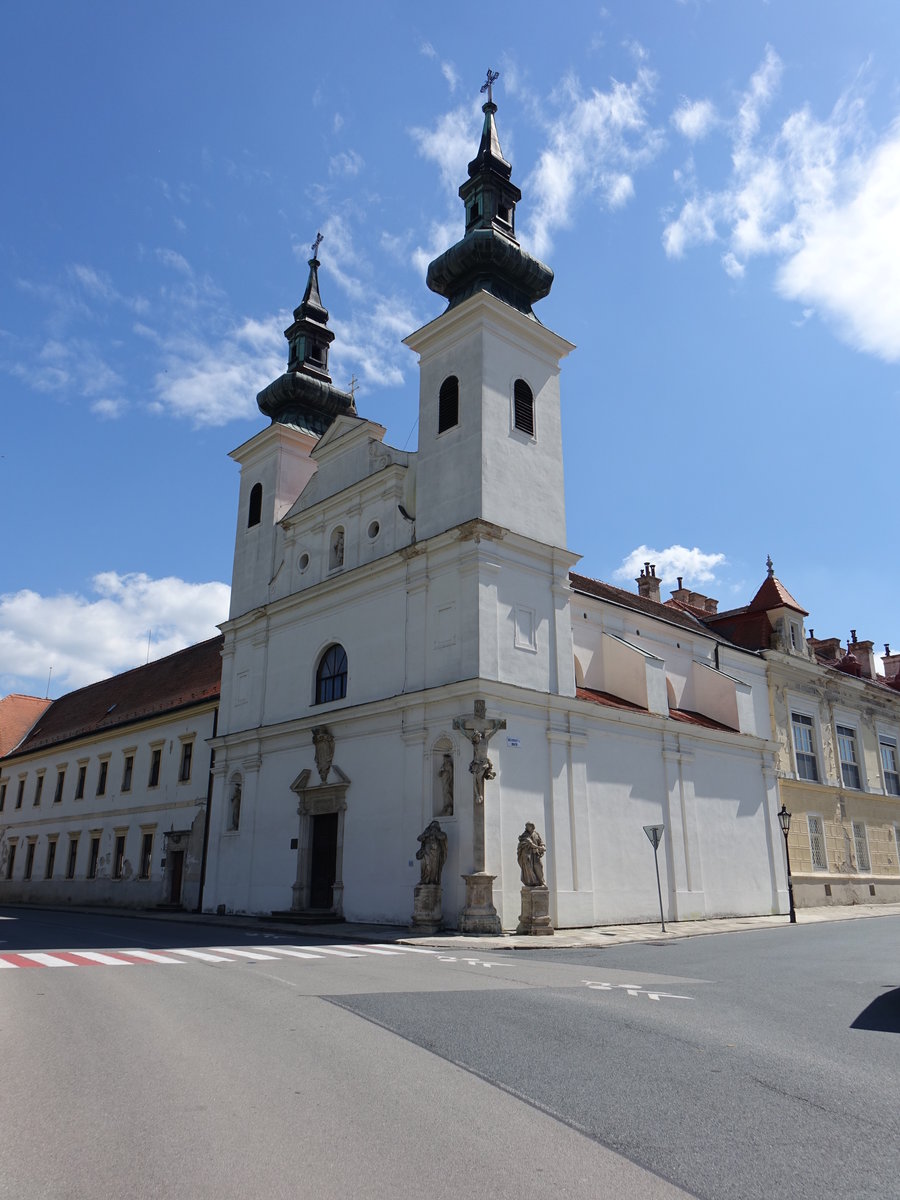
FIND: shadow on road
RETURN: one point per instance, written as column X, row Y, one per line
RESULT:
column 882, row 1015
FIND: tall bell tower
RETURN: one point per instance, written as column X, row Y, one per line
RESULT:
column 490, row 443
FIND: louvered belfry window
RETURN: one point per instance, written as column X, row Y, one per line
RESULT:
column 523, row 404
column 448, row 404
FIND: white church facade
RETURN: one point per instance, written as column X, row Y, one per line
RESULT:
column 408, row 641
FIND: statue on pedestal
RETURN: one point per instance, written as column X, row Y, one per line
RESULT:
column 432, row 853
column 531, row 850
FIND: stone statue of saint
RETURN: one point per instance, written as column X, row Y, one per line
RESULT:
column 432, row 853
column 530, row 851
column 445, row 774
column 234, row 817
column 337, row 548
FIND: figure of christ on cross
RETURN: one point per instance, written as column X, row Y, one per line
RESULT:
column 479, row 730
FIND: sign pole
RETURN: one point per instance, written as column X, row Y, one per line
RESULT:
column 654, row 834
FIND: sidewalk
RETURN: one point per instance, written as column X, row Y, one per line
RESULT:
column 564, row 939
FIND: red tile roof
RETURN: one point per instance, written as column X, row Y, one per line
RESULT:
column 695, row 718
column 17, row 715
column 653, row 608
column 773, row 594
column 606, row 698
column 181, row 679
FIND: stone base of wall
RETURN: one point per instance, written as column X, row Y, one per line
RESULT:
column 811, row 891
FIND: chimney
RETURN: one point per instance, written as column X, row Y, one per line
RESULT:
column 648, row 583
column 891, row 663
column 704, row 603
column 681, row 593
column 825, row 649
column 865, row 652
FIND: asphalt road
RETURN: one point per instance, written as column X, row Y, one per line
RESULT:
column 741, row 1065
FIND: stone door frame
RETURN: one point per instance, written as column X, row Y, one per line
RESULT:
column 318, row 799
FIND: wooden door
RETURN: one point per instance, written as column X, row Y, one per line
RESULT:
column 324, row 860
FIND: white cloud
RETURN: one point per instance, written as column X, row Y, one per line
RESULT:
column 822, row 197
column 694, row 118
column 451, row 142
column 593, row 147
column 86, row 638
column 693, row 566
column 173, row 260
column 450, row 74
column 108, row 409
column 347, row 163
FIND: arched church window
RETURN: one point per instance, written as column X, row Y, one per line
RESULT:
column 254, row 510
column 331, row 677
column 523, row 407
column 448, row 404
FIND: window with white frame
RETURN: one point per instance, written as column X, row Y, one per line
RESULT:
column 805, row 747
column 817, row 842
column 847, row 752
column 889, row 766
column 861, row 845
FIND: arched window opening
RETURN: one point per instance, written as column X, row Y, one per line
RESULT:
column 523, row 406
column 254, row 512
column 448, row 404
column 331, row 677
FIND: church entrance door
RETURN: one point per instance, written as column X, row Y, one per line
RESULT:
column 176, row 876
column 323, row 867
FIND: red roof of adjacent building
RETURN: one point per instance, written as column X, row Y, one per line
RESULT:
column 181, row 679
column 773, row 594
column 17, row 715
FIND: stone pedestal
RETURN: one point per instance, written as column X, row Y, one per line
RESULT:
column 479, row 914
column 427, row 908
column 535, row 915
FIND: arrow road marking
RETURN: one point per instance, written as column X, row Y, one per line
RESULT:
column 633, row 989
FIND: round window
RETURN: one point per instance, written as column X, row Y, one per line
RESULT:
column 373, row 530
column 302, row 562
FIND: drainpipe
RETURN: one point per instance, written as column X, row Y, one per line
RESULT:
column 209, row 791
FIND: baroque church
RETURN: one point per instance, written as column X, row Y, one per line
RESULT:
column 408, row 641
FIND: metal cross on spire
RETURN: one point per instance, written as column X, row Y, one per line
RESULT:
column 316, row 244
column 492, row 77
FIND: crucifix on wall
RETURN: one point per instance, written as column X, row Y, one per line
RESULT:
column 479, row 730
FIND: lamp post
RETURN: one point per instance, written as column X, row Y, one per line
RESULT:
column 784, row 820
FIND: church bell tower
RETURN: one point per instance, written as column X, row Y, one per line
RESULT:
column 490, row 444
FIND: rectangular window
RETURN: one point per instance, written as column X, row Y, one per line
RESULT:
column 155, row 759
column 95, row 854
column 127, row 772
column 29, row 859
column 51, row 859
column 2, row 796
column 11, row 861
column 60, row 782
column 805, row 747
column 146, row 855
column 79, row 786
column 119, row 858
column 38, row 788
column 187, row 754
column 20, row 794
column 849, row 760
column 861, row 844
column 72, row 859
column 101, row 778
column 817, row 843
column 888, row 748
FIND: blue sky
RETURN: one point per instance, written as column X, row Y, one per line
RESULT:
column 715, row 185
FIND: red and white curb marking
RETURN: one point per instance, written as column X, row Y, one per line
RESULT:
column 212, row 954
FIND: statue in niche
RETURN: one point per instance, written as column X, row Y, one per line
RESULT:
column 324, row 744
column 337, row 548
column 445, row 774
column 530, row 851
column 234, row 811
column 432, row 853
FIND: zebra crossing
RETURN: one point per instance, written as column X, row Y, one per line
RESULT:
column 24, row 959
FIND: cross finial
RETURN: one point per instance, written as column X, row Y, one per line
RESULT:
column 488, row 85
column 316, row 244
column 354, row 384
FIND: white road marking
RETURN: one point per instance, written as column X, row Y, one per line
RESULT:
column 374, row 950
column 106, row 959
column 46, row 960
column 293, row 952
column 633, row 989
column 203, row 956
column 3, row 963
column 255, row 955
column 339, row 953
column 405, row 949
column 153, row 956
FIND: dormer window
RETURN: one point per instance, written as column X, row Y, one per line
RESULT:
column 448, row 404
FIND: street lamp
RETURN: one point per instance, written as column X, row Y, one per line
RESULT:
column 784, row 820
